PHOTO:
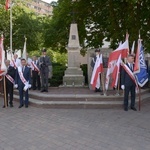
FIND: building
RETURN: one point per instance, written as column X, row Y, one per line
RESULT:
column 40, row 7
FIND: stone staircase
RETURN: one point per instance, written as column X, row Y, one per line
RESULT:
column 78, row 98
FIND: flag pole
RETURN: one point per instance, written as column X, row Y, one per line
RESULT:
column 11, row 29
column 139, row 98
column 102, row 77
column 118, row 83
column 5, row 97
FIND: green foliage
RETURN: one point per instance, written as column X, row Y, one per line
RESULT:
column 98, row 19
column 58, row 73
column 85, row 74
column 24, row 23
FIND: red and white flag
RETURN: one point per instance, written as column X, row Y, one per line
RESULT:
column 7, row 4
column 122, row 50
column 137, row 58
column 3, row 68
column 98, row 69
column 116, row 72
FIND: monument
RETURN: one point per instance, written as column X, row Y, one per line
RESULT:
column 73, row 74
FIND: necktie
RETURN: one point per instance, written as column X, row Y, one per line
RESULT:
column 22, row 69
column 131, row 66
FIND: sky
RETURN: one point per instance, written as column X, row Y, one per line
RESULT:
column 48, row 1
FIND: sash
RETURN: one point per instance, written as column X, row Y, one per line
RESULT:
column 14, row 64
column 23, row 79
column 130, row 73
column 10, row 78
column 35, row 67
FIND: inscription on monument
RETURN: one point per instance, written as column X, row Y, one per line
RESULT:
column 73, row 37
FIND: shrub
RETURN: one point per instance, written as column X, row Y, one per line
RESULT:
column 58, row 73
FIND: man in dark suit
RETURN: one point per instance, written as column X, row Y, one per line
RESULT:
column 10, row 76
column 127, row 83
column 43, row 64
column 36, row 83
column 23, row 82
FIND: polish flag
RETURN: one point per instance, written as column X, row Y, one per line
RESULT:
column 3, row 68
column 7, row 4
column 98, row 68
column 122, row 50
column 116, row 72
column 137, row 58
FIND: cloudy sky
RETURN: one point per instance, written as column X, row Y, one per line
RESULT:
column 48, row 1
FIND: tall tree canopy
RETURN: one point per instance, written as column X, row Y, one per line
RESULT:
column 24, row 23
column 99, row 19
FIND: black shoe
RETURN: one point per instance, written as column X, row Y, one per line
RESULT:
column 26, row 106
column 125, row 109
column 133, row 108
column 11, row 105
column 42, row 90
column 20, row 106
column 46, row 90
column 96, row 90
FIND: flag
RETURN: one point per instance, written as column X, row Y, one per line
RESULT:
column 3, row 68
column 24, row 54
column 116, row 72
column 98, row 68
column 7, row 4
column 140, row 68
column 122, row 50
column 137, row 60
column 132, row 49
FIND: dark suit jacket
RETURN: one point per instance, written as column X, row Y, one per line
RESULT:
column 125, row 78
column 43, row 63
column 26, row 74
column 11, row 72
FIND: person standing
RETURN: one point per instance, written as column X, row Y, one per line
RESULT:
column 97, row 55
column 9, row 81
column 23, row 82
column 36, row 83
column 15, row 62
column 43, row 64
column 128, row 84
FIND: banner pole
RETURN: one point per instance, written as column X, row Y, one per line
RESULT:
column 102, row 77
column 139, row 98
column 118, row 83
column 5, row 97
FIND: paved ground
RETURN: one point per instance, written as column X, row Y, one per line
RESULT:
column 74, row 129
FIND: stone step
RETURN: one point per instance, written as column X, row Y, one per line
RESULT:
column 47, row 100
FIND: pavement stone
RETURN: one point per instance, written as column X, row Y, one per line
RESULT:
column 74, row 129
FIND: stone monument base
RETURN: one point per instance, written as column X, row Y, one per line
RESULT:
column 73, row 78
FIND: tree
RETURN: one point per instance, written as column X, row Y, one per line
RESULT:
column 25, row 23
column 98, row 19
